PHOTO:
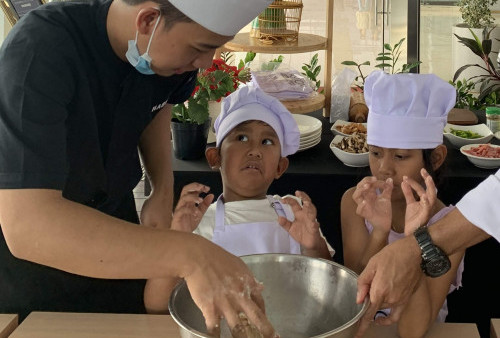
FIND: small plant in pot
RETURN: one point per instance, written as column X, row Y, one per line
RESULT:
column 191, row 119
column 476, row 13
column 489, row 79
column 476, row 17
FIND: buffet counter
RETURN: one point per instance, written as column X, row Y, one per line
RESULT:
column 100, row 325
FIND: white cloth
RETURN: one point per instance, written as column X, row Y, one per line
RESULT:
column 241, row 212
column 407, row 111
column 271, row 237
column 283, row 84
column 480, row 206
column 224, row 17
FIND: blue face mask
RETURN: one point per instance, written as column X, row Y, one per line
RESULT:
column 141, row 62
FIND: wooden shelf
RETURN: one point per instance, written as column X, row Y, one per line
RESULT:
column 305, row 106
column 305, row 43
column 243, row 42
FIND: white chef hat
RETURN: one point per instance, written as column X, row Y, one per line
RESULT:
column 407, row 111
column 224, row 17
column 251, row 103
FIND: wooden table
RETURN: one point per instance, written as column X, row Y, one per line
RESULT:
column 495, row 328
column 98, row 325
column 8, row 322
column 438, row 330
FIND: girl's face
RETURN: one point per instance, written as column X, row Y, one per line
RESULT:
column 395, row 163
column 250, row 159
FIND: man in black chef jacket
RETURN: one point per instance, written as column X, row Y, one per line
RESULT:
column 83, row 86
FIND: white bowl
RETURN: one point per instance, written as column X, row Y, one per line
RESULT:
column 349, row 159
column 457, row 141
column 497, row 135
column 481, row 162
column 339, row 123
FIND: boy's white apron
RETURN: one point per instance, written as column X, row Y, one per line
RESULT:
column 255, row 238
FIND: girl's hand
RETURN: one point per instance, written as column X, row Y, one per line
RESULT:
column 375, row 208
column 418, row 212
column 191, row 207
column 305, row 228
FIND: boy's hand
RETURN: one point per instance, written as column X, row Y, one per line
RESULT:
column 376, row 208
column 191, row 207
column 418, row 212
column 305, row 228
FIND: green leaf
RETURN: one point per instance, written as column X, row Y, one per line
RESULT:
column 486, row 45
column 387, row 46
column 366, row 63
column 316, row 71
column 349, row 63
column 250, row 56
column 383, row 58
column 472, row 44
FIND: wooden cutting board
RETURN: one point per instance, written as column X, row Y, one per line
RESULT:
column 462, row 117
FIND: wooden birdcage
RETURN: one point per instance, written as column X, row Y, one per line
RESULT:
column 281, row 20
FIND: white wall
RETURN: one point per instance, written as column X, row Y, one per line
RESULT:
column 2, row 24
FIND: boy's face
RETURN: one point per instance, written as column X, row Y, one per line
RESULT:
column 182, row 48
column 249, row 159
column 395, row 163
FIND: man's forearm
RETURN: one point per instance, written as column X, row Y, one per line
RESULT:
column 43, row 227
column 156, row 151
column 454, row 232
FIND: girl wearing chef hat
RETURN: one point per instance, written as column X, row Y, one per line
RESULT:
column 254, row 134
column 407, row 114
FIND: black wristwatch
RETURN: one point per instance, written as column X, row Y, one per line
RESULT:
column 435, row 262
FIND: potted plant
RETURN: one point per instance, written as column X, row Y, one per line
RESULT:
column 476, row 16
column 489, row 80
column 387, row 61
column 191, row 119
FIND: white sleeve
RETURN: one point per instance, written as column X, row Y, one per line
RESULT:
column 480, row 206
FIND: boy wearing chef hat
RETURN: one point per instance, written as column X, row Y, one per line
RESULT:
column 407, row 114
column 254, row 134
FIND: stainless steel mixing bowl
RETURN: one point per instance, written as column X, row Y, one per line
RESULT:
column 304, row 297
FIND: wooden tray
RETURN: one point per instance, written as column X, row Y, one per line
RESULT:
column 462, row 117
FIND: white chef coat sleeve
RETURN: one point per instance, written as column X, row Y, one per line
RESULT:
column 480, row 206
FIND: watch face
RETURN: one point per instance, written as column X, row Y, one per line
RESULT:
column 437, row 266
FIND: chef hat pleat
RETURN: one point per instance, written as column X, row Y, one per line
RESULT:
column 407, row 111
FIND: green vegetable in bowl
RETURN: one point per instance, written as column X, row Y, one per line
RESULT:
column 465, row 133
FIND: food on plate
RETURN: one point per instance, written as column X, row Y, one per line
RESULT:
column 351, row 128
column 356, row 143
column 465, row 133
column 484, row 150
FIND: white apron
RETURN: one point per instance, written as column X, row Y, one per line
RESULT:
column 255, row 238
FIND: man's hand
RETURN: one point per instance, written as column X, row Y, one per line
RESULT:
column 389, row 280
column 191, row 207
column 222, row 286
